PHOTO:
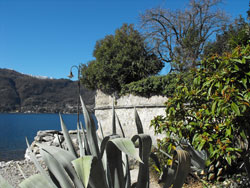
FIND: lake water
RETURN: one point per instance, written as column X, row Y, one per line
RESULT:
column 15, row 127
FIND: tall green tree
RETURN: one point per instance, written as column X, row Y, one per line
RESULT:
column 178, row 36
column 120, row 59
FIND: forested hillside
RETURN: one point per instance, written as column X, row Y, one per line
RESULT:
column 24, row 93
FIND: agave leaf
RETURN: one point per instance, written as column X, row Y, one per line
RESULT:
column 126, row 146
column 56, row 169
column 104, row 144
column 183, row 167
column 138, row 122
column 97, row 174
column 113, row 119
column 155, row 158
column 145, row 144
column 35, row 181
column 100, row 125
column 83, row 167
column 37, row 164
column 79, row 138
column 67, row 137
column 86, row 144
column 91, row 131
column 4, row 183
column 114, row 157
column 64, row 158
column 198, row 158
column 127, row 173
column 177, row 174
column 119, row 123
column 168, row 176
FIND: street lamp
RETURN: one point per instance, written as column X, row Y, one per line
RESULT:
column 78, row 82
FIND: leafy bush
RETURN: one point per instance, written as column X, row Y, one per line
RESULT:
column 156, row 85
column 213, row 113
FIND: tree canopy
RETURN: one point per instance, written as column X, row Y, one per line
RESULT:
column 178, row 36
column 236, row 33
column 120, row 59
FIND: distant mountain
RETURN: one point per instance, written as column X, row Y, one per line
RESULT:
column 24, row 93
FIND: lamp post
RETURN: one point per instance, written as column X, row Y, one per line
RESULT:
column 78, row 82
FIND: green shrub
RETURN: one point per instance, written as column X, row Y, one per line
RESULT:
column 156, row 85
column 212, row 113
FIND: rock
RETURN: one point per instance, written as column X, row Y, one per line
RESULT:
column 58, row 139
column 211, row 176
column 218, row 164
column 48, row 138
column 46, row 133
column 72, row 131
column 211, row 169
column 220, row 170
column 51, row 138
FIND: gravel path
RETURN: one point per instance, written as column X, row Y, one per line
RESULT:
column 10, row 171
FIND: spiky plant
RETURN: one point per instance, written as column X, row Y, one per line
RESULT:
column 102, row 163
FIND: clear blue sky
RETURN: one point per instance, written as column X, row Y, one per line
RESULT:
column 47, row 37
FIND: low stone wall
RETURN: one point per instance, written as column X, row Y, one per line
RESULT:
column 51, row 138
column 147, row 108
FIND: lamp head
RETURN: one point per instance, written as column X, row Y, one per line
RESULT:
column 70, row 75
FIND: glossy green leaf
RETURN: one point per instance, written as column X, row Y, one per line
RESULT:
column 83, row 167
column 235, row 108
column 213, row 107
column 243, row 135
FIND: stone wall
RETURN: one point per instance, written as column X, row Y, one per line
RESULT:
column 147, row 109
column 51, row 138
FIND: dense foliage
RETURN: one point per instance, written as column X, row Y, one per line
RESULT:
column 237, row 33
column 120, row 59
column 157, row 85
column 213, row 113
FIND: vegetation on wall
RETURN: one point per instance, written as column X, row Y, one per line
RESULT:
column 157, row 85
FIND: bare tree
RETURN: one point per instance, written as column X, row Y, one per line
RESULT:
column 179, row 36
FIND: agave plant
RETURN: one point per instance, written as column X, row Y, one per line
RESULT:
column 101, row 162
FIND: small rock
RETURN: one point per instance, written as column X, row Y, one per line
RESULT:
column 220, row 170
column 211, row 176
column 211, row 169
